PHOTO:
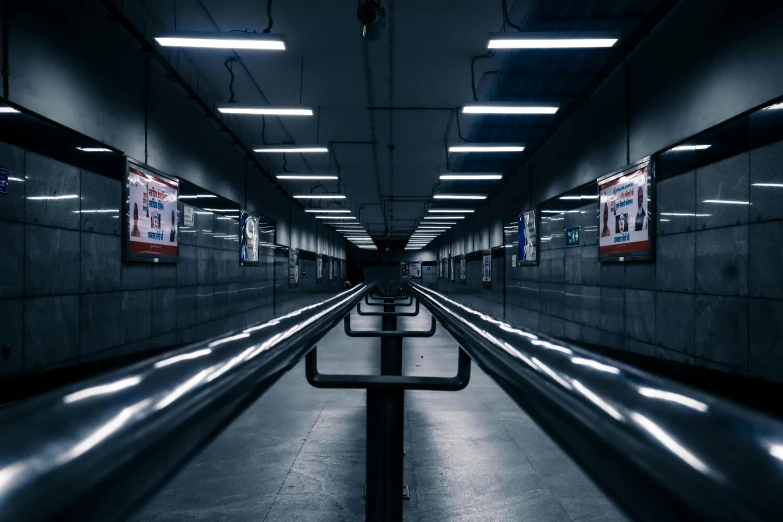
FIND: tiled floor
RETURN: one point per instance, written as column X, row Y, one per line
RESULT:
column 298, row 453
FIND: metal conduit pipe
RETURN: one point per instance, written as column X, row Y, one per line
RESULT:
column 660, row 449
column 95, row 450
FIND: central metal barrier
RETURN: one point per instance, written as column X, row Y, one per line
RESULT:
column 661, row 450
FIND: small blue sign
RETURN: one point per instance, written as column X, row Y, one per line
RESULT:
column 3, row 180
column 572, row 236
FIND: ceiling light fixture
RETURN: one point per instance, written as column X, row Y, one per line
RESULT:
column 8, row 110
column 727, row 201
column 237, row 40
column 266, row 111
column 776, row 185
column 319, row 196
column 776, row 106
column 449, row 211
column 327, row 211
column 486, row 148
column 335, row 217
column 444, row 217
column 290, row 150
column 437, row 223
column 305, row 176
column 93, row 149
column 688, row 147
column 460, row 196
column 198, row 196
column 552, row 40
column 471, row 176
column 435, row 228
column 510, row 108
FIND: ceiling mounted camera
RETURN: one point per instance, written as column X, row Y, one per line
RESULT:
column 372, row 17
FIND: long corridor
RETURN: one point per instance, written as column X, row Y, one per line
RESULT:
column 298, row 453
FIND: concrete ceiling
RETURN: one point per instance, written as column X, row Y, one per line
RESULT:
column 422, row 61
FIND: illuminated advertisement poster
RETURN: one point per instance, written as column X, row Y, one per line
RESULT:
column 293, row 268
column 319, row 269
column 624, row 214
column 486, row 268
column 463, row 270
column 248, row 240
column 528, row 238
column 410, row 270
column 451, row 269
column 151, row 206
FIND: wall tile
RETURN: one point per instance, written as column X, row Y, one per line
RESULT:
column 187, row 268
column 722, row 330
column 674, row 321
column 45, row 273
column 204, row 303
column 589, row 223
column 101, row 263
column 164, row 275
column 557, row 274
column 573, row 265
column 722, row 261
column 186, row 307
column 47, row 178
column 167, row 340
column 101, row 321
column 12, row 333
column 13, row 205
column 652, row 350
column 12, row 259
column 136, row 315
column 545, row 324
column 611, row 340
column 766, row 202
column 205, row 266
column 712, row 365
column 136, row 276
column 100, row 193
column 51, row 330
column 545, row 266
column 766, row 339
column 676, row 204
column 640, row 315
column 556, row 297
column 676, row 262
column 640, row 274
column 591, row 306
column 725, row 180
column 612, row 309
column 764, row 268
column 164, row 311
column 557, row 326
column 591, row 268
column 612, row 274
column 572, row 331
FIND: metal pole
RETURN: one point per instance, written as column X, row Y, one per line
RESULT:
column 385, row 410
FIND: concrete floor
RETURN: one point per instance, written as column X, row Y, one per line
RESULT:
column 298, row 452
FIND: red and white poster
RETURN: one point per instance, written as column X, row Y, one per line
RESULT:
column 152, row 213
column 623, row 217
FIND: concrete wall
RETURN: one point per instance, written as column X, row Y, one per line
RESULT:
column 712, row 295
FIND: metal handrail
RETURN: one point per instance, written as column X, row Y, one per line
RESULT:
column 96, row 449
column 660, row 449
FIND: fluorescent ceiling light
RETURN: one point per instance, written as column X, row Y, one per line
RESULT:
column 727, row 201
column 293, row 150
column 444, row 217
column 435, row 228
column 579, row 197
column 328, row 211
column 305, row 176
column 471, row 176
column 460, row 196
column 437, row 223
column 335, row 217
column 774, row 107
column 222, row 209
column 510, row 108
column 486, row 148
column 8, row 110
column 552, row 40
column 776, row 185
column 319, row 196
column 198, row 196
column 684, row 214
column 689, row 147
column 93, row 149
column 66, row 196
column 449, row 211
column 266, row 111
column 256, row 41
